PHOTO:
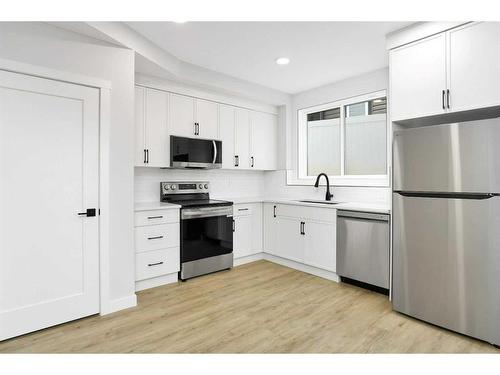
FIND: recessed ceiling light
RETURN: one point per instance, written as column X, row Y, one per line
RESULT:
column 282, row 61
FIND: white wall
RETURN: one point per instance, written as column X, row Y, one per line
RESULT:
column 224, row 184
column 275, row 182
column 48, row 46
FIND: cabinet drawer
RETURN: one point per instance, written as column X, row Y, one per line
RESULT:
column 242, row 209
column 153, row 237
column 157, row 263
column 311, row 213
column 156, row 217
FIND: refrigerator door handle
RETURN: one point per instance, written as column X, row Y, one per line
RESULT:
column 422, row 194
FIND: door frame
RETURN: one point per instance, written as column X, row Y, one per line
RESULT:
column 106, row 305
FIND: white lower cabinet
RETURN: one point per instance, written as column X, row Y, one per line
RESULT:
column 302, row 234
column 247, row 236
column 157, row 247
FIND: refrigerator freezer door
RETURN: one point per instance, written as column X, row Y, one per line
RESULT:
column 446, row 263
column 460, row 157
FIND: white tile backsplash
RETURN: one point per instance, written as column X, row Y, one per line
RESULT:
column 227, row 184
column 223, row 183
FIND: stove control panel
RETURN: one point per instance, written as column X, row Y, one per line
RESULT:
column 182, row 187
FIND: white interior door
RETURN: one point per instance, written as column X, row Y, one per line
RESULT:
column 49, row 163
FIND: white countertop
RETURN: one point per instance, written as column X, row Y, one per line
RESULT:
column 353, row 206
column 382, row 208
column 147, row 206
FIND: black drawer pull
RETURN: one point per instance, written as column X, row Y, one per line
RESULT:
column 155, row 238
column 155, row 217
column 242, row 209
column 154, row 264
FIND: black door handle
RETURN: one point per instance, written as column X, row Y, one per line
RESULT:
column 89, row 213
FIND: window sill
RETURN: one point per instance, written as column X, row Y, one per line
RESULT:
column 358, row 181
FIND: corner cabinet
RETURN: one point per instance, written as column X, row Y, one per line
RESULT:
column 453, row 71
column 302, row 234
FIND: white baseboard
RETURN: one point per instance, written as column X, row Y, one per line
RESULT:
column 119, row 304
column 250, row 258
column 156, row 281
column 303, row 267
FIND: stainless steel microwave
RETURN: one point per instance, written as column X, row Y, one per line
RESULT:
column 195, row 153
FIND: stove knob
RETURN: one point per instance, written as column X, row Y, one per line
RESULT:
column 200, row 186
column 173, row 187
column 206, row 186
column 166, row 187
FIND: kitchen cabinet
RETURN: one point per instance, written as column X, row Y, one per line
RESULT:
column 247, row 236
column 453, row 71
column 303, row 234
column 418, row 78
column 241, row 139
column 151, row 127
column 157, row 247
column 474, row 70
column 192, row 117
column 226, row 127
column 264, row 141
column 207, row 118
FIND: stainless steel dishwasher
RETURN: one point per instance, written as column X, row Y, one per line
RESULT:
column 363, row 247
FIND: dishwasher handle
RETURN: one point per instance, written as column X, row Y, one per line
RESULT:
column 363, row 215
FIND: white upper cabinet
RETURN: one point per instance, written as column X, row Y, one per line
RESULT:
column 241, row 139
column 151, row 127
column 157, row 141
column 226, row 129
column 474, row 74
column 264, row 141
column 456, row 70
column 418, row 78
column 207, row 119
column 249, row 138
column 182, row 121
column 140, row 126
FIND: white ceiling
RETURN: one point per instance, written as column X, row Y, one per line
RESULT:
column 320, row 52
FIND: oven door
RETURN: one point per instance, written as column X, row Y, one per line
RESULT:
column 206, row 232
column 195, row 153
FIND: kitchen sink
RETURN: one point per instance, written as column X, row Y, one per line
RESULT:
column 320, row 202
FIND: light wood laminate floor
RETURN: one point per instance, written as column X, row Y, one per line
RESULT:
column 259, row 307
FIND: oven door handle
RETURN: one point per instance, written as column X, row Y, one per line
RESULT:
column 195, row 213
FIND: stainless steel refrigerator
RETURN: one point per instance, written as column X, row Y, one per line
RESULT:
column 446, row 234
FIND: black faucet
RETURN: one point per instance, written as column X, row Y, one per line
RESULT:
column 329, row 195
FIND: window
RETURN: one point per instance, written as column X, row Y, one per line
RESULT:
column 347, row 140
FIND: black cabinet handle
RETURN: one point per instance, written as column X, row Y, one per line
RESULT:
column 155, row 238
column 147, row 156
column 303, row 228
column 155, row 217
column 251, row 158
column 448, row 98
column 145, row 160
column 442, row 99
column 274, row 211
column 154, row 264
column 242, row 209
column 236, row 161
column 89, row 213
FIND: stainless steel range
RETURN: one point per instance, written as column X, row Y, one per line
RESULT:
column 206, row 228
